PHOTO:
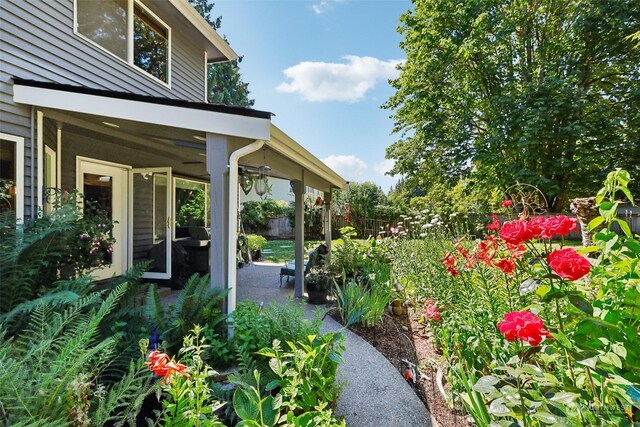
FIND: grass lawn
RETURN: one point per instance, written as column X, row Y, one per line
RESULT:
column 281, row 251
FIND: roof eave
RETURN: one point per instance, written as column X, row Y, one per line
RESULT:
column 217, row 41
column 287, row 146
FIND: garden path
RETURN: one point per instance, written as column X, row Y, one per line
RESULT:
column 375, row 394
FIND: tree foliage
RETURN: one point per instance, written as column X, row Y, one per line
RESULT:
column 224, row 81
column 544, row 92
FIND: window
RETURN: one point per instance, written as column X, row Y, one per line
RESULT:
column 191, row 203
column 12, row 175
column 129, row 31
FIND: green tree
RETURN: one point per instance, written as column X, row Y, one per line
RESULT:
column 224, row 81
column 544, row 92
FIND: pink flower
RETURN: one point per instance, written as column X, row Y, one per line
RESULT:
column 525, row 326
column 430, row 310
column 507, row 203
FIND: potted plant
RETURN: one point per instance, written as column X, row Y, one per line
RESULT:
column 256, row 244
column 317, row 282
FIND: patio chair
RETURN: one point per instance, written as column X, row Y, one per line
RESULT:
column 315, row 258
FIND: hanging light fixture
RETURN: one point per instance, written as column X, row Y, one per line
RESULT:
column 261, row 184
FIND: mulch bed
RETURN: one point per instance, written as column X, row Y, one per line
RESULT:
column 401, row 338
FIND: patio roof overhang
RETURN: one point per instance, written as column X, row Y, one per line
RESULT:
column 197, row 116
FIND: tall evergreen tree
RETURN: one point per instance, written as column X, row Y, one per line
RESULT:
column 224, row 80
column 544, row 92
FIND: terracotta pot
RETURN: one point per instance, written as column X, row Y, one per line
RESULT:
column 396, row 307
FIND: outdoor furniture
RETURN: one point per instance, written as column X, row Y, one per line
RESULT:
column 314, row 260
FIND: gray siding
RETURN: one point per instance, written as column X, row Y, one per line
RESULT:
column 37, row 42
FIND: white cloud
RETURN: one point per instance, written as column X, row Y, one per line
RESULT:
column 384, row 166
column 324, row 6
column 328, row 81
column 350, row 167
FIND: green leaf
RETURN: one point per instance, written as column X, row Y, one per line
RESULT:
column 486, row 384
column 623, row 226
column 269, row 415
column 245, row 405
column 546, row 417
column 565, row 397
column 594, row 223
column 498, row 407
column 612, row 359
column 581, row 304
column 562, row 340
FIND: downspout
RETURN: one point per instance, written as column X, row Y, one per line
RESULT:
column 233, row 219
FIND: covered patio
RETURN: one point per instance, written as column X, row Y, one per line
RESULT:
column 131, row 152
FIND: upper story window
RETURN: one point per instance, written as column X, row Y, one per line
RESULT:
column 128, row 30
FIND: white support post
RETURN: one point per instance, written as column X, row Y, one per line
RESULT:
column 327, row 220
column 299, row 236
column 40, row 154
column 217, row 154
column 58, row 183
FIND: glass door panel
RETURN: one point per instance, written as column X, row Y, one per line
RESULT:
column 104, row 190
column 151, row 220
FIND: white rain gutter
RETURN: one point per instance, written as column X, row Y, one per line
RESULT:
column 233, row 219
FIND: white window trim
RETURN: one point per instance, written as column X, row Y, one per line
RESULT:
column 19, row 141
column 53, row 176
column 129, row 61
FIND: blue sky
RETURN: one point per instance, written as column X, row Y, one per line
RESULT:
column 322, row 68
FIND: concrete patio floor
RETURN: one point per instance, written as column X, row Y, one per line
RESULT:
column 375, row 395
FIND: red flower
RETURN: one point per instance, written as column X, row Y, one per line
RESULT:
column 162, row 366
column 487, row 250
column 569, row 264
column 506, row 265
column 319, row 201
column 515, row 232
column 430, row 310
column 560, row 225
column 450, row 262
column 495, row 224
column 517, row 251
column 507, row 203
column 537, row 225
column 462, row 250
column 524, row 326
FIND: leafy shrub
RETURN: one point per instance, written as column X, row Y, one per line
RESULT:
column 255, row 215
column 256, row 242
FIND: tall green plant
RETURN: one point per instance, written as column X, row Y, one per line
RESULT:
column 55, row 368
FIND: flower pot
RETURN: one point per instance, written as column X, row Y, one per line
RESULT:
column 396, row 308
column 318, row 290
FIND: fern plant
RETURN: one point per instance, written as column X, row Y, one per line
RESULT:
column 197, row 304
column 51, row 373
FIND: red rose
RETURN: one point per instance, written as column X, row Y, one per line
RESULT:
column 515, row 232
column 495, row 223
column 560, row 225
column 507, row 203
column 524, row 326
column 537, row 225
column 569, row 264
column 506, row 265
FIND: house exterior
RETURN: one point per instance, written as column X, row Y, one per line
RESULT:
column 109, row 97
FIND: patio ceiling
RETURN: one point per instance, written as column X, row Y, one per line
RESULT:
column 168, row 129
